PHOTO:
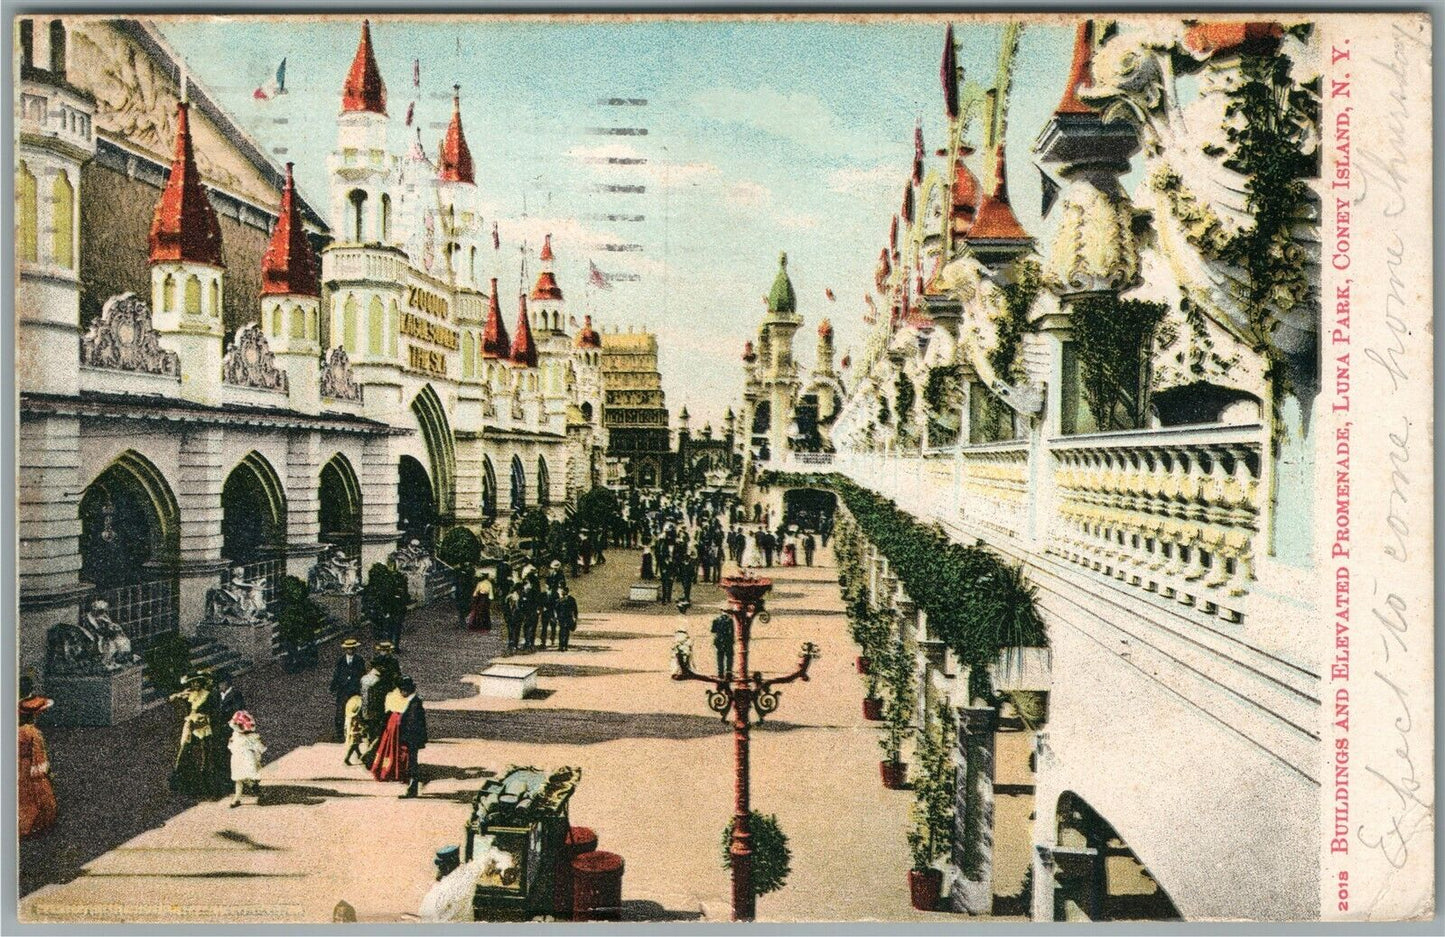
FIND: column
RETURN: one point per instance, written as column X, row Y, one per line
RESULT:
column 973, row 812
column 198, row 496
column 379, row 479
column 48, row 517
column 303, row 503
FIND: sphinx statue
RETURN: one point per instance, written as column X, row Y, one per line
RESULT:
column 335, row 574
column 242, row 601
column 96, row 645
column 413, row 558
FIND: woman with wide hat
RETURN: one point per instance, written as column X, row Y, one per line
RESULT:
column 197, row 760
column 36, row 795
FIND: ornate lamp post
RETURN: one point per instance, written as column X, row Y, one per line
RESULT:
column 746, row 697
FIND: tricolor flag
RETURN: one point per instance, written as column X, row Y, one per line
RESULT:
column 273, row 87
column 597, row 278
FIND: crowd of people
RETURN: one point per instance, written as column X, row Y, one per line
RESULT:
column 379, row 717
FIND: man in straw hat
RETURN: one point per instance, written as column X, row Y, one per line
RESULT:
column 346, row 682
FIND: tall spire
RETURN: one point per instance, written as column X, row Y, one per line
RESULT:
column 588, row 337
column 965, row 193
column 546, row 287
column 782, row 299
column 289, row 266
column 524, row 350
column 995, row 220
column 185, row 227
column 454, row 163
column 495, row 343
column 364, row 90
column 948, row 74
column 1080, row 72
column 907, row 210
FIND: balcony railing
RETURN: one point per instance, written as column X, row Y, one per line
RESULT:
column 995, row 481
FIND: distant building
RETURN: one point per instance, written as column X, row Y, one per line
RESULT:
column 634, row 411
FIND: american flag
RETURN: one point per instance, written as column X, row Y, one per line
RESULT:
column 596, row 277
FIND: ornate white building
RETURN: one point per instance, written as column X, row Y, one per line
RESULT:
column 199, row 390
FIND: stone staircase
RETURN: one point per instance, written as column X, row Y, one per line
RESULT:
column 204, row 655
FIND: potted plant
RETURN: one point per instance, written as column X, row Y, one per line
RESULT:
column 934, row 792
column 384, row 600
column 298, row 621
column 897, row 715
column 772, row 859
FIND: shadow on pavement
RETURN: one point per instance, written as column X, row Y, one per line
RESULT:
column 579, row 726
column 652, row 911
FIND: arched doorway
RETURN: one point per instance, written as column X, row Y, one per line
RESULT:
column 441, row 451
column 1097, row 877
column 339, row 511
column 647, row 475
column 489, row 488
column 253, row 512
column 519, row 486
column 416, row 512
column 809, row 508
column 544, row 483
column 129, row 542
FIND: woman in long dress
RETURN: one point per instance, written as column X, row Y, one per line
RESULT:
column 480, row 617
column 790, row 552
column 390, row 763
column 36, row 794
column 196, row 766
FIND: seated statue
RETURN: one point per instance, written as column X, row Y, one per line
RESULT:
column 242, row 601
column 413, row 558
column 94, row 646
column 335, row 574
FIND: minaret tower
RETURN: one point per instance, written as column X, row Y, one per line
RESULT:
column 361, row 209
column 187, row 272
column 776, row 370
column 291, row 301
column 460, row 221
column 547, row 302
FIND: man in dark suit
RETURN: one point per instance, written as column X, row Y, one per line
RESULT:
column 346, row 682
column 722, row 642
column 566, row 612
column 412, row 733
column 686, row 574
column 769, row 544
column 809, row 545
column 228, row 702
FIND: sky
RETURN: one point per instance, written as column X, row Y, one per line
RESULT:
column 762, row 137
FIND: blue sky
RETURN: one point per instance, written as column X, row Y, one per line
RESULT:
column 762, row 137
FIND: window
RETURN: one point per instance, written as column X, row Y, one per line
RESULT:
column 386, row 218
column 193, row 295
column 348, row 325
column 357, row 198
column 216, row 297
column 313, row 317
column 472, row 267
column 374, row 325
column 392, row 324
column 298, row 322
column 168, row 294
column 27, row 195
column 468, row 359
column 276, row 321
column 63, row 212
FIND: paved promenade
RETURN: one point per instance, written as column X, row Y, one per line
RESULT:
column 656, row 780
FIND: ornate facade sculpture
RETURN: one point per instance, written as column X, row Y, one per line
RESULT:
column 123, row 338
column 250, row 362
column 242, row 601
column 337, row 381
column 335, row 573
column 413, row 558
column 97, row 645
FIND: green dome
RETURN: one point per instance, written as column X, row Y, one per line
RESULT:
column 782, row 298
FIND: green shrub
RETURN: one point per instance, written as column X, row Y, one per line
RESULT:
column 772, row 860
column 299, row 618
column 934, row 792
column 166, row 661
column 385, row 597
column 460, row 547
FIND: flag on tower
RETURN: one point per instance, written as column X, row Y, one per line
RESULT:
column 410, row 112
column 275, row 86
column 596, row 277
column 496, row 238
column 416, row 73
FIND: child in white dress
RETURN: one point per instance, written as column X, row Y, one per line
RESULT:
column 246, row 749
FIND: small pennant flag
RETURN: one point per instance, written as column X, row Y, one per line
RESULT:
column 410, row 112
column 829, row 294
column 596, row 277
column 496, row 238
column 274, row 87
column 416, row 73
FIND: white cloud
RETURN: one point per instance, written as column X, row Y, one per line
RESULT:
column 801, row 117
column 873, row 181
column 795, row 220
column 746, row 193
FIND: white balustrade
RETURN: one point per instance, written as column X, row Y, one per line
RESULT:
column 995, row 483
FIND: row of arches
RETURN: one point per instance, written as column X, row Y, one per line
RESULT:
column 382, row 324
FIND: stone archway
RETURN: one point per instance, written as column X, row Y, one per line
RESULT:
column 339, row 506
column 436, row 434
column 489, row 488
column 518, row 485
column 416, row 511
column 253, row 512
column 1097, row 877
column 809, row 508
column 544, row 483
column 129, row 525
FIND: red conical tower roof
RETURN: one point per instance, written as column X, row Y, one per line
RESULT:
column 995, row 220
column 185, row 227
column 965, row 193
column 454, row 164
column 524, row 350
column 748, row 354
column 1081, row 73
column 825, row 329
column 364, row 90
column 588, row 337
column 495, row 343
column 546, row 287
column 289, row 266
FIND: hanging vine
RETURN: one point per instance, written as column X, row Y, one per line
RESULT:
column 1113, row 338
column 1018, row 296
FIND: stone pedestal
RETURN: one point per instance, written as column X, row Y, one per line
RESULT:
column 99, row 700
column 510, row 681
column 643, row 592
column 973, row 835
column 251, row 640
column 345, row 610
